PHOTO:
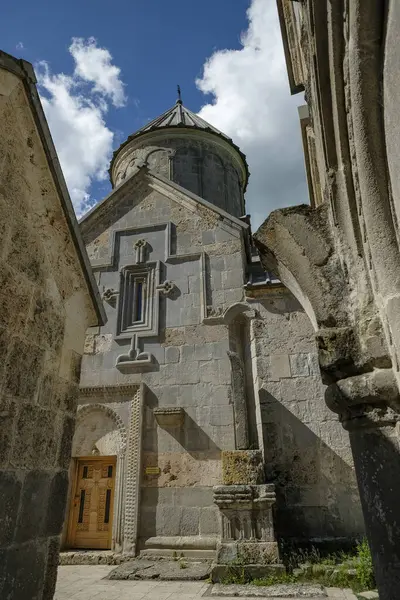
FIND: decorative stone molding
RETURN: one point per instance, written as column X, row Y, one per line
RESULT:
column 215, row 316
column 135, row 361
column 169, row 417
column 167, row 288
column 110, row 296
column 140, row 248
column 132, row 490
column 247, row 528
column 87, row 409
column 124, row 389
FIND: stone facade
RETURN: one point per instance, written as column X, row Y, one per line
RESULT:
column 48, row 298
column 340, row 257
column 203, row 360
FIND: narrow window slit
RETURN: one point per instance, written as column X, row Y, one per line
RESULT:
column 81, row 506
column 107, row 510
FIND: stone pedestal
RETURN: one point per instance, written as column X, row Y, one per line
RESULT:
column 247, row 530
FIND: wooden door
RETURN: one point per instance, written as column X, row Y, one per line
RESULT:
column 92, row 503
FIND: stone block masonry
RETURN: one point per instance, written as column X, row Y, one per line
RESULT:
column 47, row 299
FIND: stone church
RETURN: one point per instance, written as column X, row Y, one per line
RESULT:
column 206, row 370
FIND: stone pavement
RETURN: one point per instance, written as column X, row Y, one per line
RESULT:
column 79, row 582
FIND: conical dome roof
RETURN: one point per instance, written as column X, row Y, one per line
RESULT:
column 180, row 117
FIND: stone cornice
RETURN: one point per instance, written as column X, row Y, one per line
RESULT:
column 125, row 389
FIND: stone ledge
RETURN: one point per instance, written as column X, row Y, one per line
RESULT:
column 169, row 416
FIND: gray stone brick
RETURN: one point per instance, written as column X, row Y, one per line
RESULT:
column 189, row 523
column 190, row 316
column 208, row 237
column 216, row 279
column 279, row 367
column 221, row 416
column 232, row 279
column 233, row 296
column 313, row 364
column 209, row 521
column 219, row 349
column 195, row 496
column 187, row 353
column 223, row 236
column 172, row 354
column 194, row 284
column 208, row 372
column 203, row 352
column 299, row 365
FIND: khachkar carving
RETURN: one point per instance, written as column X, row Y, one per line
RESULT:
column 140, row 250
column 167, row 288
column 135, row 359
column 132, row 493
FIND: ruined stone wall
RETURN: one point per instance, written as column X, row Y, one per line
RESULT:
column 200, row 166
column 190, row 371
column 44, row 311
column 307, row 452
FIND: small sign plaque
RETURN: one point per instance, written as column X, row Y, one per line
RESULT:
column 152, row 470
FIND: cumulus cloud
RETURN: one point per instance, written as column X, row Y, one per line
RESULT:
column 75, row 107
column 252, row 104
column 93, row 64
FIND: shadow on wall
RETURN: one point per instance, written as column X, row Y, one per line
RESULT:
column 317, row 496
column 179, row 465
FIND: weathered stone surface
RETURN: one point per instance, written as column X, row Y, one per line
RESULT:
column 340, row 257
column 242, row 467
column 274, row 591
column 177, row 570
column 48, row 297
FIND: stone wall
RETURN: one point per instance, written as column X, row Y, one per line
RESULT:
column 204, row 168
column 307, row 452
column 45, row 308
column 190, row 372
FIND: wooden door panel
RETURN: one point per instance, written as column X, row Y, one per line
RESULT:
column 92, row 503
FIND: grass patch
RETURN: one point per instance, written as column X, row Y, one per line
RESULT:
column 340, row 569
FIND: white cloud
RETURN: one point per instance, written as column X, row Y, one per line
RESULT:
column 75, row 112
column 252, row 104
column 93, row 64
column 20, row 46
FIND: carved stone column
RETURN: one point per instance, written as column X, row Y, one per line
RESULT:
column 356, row 365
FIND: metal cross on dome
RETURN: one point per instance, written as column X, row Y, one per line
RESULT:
column 179, row 100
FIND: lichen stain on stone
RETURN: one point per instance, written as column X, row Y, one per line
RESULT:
column 242, row 467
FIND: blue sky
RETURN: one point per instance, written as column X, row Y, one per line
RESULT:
column 226, row 55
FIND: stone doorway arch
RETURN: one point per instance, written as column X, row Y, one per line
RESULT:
column 101, row 432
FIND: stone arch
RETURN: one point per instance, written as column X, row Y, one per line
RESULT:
column 158, row 160
column 214, row 180
column 98, row 427
column 233, row 312
column 186, row 168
